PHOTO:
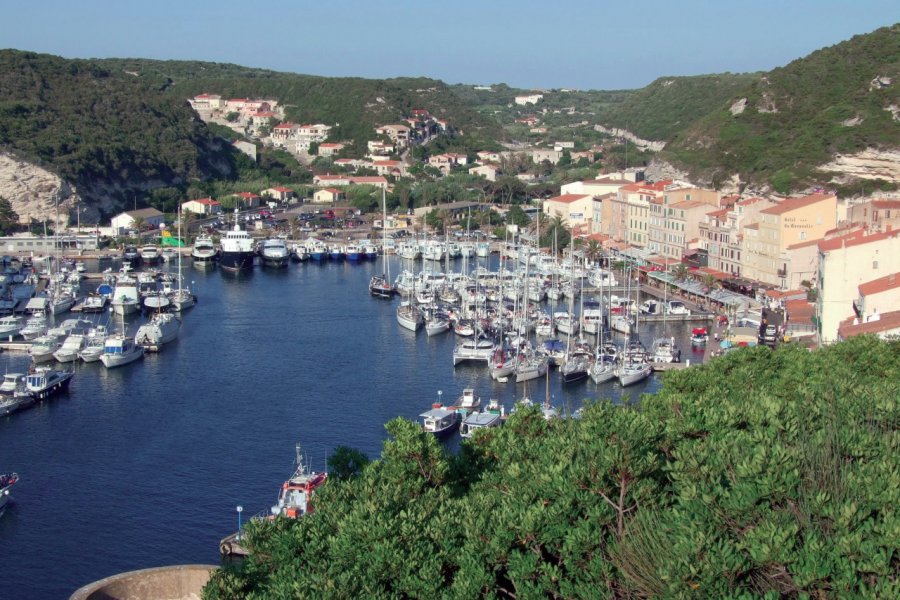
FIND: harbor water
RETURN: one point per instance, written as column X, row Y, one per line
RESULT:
column 144, row 465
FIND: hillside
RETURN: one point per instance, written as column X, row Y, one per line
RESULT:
column 838, row 100
column 357, row 105
column 763, row 473
column 106, row 132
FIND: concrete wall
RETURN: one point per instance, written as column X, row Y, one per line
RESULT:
column 179, row 582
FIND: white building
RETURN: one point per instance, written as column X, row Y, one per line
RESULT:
column 126, row 220
column 529, row 99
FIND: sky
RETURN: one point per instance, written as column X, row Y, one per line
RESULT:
column 580, row 44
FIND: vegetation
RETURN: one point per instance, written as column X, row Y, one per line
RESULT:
column 762, row 473
column 798, row 116
column 9, row 220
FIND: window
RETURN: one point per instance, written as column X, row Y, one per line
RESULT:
column 874, row 265
column 802, row 235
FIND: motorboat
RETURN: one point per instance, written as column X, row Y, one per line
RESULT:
column 157, row 301
column 204, row 250
column 12, row 391
column 299, row 253
column 295, row 495
column 336, row 253
column 592, row 320
column 10, row 326
column 237, row 248
column 150, row 255
column 274, row 253
column 119, row 350
column 95, row 344
column 94, row 303
column 664, row 350
column 699, row 336
column 473, row 349
column 565, row 322
column 126, row 299
column 409, row 316
column 7, row 480
column 440, row 421
column 478, row 420
column 71, row 347
column 353, row 252
column 161, row 329
column 468, row 401
column 651, row 307
column 131, row 256
column 42, row 348
column 622, row 323
column 42, row 382
column 676, row 307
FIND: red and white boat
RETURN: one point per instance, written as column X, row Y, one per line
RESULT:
column 7, row 480
column 295, row 496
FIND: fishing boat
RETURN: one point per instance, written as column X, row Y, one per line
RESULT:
column 440, row 421
column 479, row 420
column 237, row 248
column 44, row 381
column 468, row 401
column 7, row 480
column 295, row 495
column 161, row 329
column 119, row 350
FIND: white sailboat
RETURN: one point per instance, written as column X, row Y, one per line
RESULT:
column 380, row 286
column 181, row 298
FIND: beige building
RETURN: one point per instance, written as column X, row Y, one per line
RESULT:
column 576, row 210
column 202, row 206
column 328, row 196
column 845, row 264
column 789, row 222
column 399, row 134
column 489, row 172
column 149, row 217
column 876, row 214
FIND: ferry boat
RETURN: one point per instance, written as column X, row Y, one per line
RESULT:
column 237, row 249
column 7, row 480
column 43, row 382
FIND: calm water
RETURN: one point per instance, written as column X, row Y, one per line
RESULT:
column 144, row 465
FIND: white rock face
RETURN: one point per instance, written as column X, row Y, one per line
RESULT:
column 33, row 191
column 624, row 133
column 868, row 164
column 852, row 122
column 738, row 107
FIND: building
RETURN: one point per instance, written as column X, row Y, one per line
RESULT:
column 540, row 155
column 575, row 210
column 207, row 102
column 279, row 194
column 202, row 206
column 885, row 326
column 149, row 217
column 788, row 222
column 529, row 99
column 882, row 294
column 389, row 167
column 722, row 235
column 875, row 214
column 675, row 217
column 399, row 134
column 379, row 148
column 377, row 181
column 845, row 264
column 331, row 180
column 330, row 148
column 329, row 196
column 487, row 171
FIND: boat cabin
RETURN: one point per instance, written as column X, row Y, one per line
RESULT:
column 477, row 421
column 439, row 420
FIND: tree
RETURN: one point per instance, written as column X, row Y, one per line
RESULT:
column 232, row 117
column 9, row 219
column 710, row 282
column 680, row 272
column 593, row 251
column 516, row 216
column 346, row 462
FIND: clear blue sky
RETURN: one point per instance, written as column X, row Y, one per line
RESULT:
column 526, row 43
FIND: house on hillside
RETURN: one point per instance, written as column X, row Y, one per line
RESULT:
column 330, row 148
column 150, row 217
column 279, row 194
column 529, row 99
column 487, row 171
column 202, row 206
column 329, row 196
column 247, row 200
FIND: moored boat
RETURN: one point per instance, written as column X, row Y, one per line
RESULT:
column 7, row 480
column 440, row 421
column 161, row 329
column 237, row 249
column 43, row 381
column 204, row 250
column 119, row 350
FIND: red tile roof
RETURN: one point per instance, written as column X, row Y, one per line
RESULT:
column 283, row 189
column 368, row 179
column 856, row 238
column 246, row 195
column 799, row 245
column 886, row 322
column 885, row 204
column 882, row 284
column 569, row 198
column 332, row 190
column 789, row 204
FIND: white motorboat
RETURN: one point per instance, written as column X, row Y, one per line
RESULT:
column 204, row 250
column 565, row 322
column 119, row 350
column 94, row 303
column 42, row 348
column 125, row 299
column 274, row 253
column 12, row 391
column 409, row 316
column 94, row 345
column 71, row 347
column 161, row 329
column 473, row 349
column 479, row 420
column 468, row 401
column 677, row 307
column 664, row 350
column 150, row 255
column 10, row 326
column 440, row 421
column 592, row 320
column 621, row 323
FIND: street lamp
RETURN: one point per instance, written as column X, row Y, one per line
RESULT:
column 240, row 509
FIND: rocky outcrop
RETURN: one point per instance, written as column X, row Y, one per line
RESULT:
column 33, row 191
column 642, row 144
column 868, row 164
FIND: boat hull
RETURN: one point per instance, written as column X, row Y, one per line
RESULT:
column 58, row 386
column 237, row 261
column 119, row 360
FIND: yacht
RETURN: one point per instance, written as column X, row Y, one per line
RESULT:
column 125, row 299
column 204, row 250
column 94, row 303
column 12, row 391
column 532, row 366
column 274, row 253
column 10, row 326
column 664, row 350
column 42, row 348
column 381, row 287
column 603, row 369
column 632, row 372
column 150, row 255
column 575, row 368
column 237, row 248
column 95, row 344
column 161, row 329
column 677, row 307
column 70, row 348
column 473, row 348
column 44, row 381
column 120, row 350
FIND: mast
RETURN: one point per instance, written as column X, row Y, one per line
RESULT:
column 387, row 264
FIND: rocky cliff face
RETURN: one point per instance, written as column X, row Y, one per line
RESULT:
column 868, row 164
column 624, row 133
column 33, row 192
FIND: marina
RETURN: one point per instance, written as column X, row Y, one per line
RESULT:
column 268, row 357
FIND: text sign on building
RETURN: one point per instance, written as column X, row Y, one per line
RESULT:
column 576, row 215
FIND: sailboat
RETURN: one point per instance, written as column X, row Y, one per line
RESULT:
column 182, row 298
column 380, row 286
column 577, row 362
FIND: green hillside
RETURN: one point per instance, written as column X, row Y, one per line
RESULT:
column 762, row 474
column 798, row 116
column 670, row 105
column 93, row 125
column 357, row 105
